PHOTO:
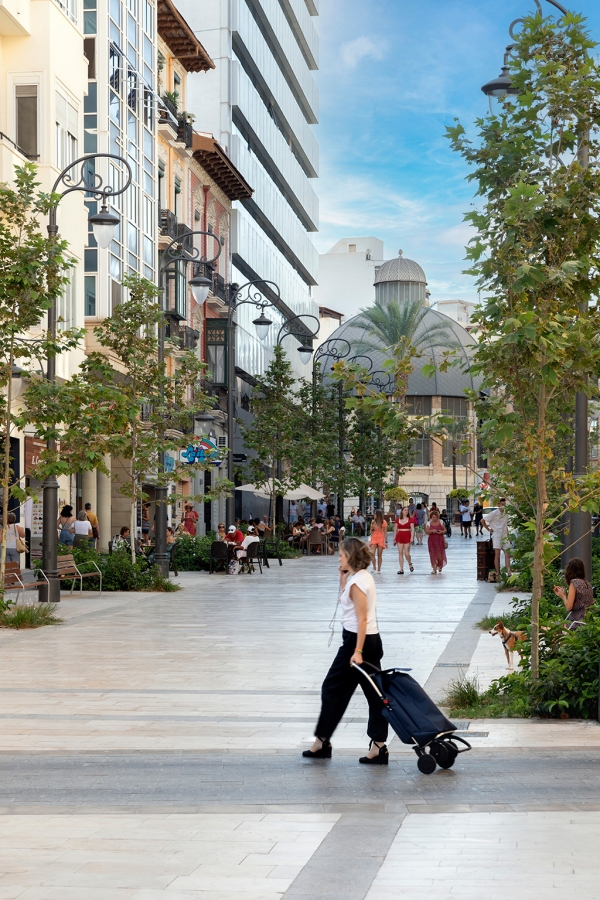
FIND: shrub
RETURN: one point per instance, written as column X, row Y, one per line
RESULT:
column 192, row 553
column 463, row 692
column 118, row 573
column 396, row 493
column 34, row 616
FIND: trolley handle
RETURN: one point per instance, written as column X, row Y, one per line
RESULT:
column 370, row 680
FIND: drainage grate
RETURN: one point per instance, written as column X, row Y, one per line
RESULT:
column 471, row 734
column 455, row 665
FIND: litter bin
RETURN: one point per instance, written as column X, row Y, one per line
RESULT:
column 485, row 559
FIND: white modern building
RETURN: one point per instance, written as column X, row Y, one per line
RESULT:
column 459, row 310
column 347, row 274
column 261, row 105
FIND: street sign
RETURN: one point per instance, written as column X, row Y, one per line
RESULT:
column 239, row 457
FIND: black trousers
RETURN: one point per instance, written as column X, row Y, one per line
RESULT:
column 340, row 683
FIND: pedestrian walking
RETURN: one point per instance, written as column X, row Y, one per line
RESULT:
column 465, row 516
column 411, row 507
column 378, row 539
column 361, row 642
column 93, row 520
column 580, row 596
column 445, row 518
column 65, row 525
column 478, row 513
column 404, row 530
column 293, row 512
column 83, row 528
column 421, row 519
column 496, row 522
column 436, row 542
column 15, row 535
column 189, row 519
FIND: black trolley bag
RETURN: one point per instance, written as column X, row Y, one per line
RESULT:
column 415, row 718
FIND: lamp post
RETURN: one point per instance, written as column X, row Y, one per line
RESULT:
column 254, row 297
column 579, row 523
column 104, row 223
column 180, row 250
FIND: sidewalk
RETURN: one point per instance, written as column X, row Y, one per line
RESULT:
column 150, row 749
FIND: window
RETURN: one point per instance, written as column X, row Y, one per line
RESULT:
column 421, row 448
column 116, row 294
column 418, row 406
column 89, row 17
column 26, row 103
column 90, row 295
column 351, row 248
column 70, row 8
column 66, row 132
column 455, row 406
column 91, row 260
column 216, row 350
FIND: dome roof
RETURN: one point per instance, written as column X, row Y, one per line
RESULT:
column 400, row 269
column 349, row 341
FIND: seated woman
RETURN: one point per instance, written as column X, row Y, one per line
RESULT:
column 580, row 596
column 221, row 532
column 171, row 539
column 328, row 531
column 83, row 529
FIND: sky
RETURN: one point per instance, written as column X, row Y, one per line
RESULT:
column 393, row 74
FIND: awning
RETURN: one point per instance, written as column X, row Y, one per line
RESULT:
column 215, row 162
column 303, row 492
column 180, row 39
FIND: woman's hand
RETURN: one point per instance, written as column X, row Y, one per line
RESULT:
column 356, row 658
column 560, row 592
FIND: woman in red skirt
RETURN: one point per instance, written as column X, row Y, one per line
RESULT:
column 404, row 531
column 436, row 542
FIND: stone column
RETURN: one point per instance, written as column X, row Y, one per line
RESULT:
column 89, row 490
column 104, row 506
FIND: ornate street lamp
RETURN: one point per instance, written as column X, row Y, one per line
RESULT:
column 255, row 296
column 104, row 224
column 180, row 250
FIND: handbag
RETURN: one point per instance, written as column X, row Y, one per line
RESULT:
column 19, row 542
column 445, row 543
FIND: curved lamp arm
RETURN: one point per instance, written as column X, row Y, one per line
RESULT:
column 181, row 249
column 88, row 182
column 258, row 300
column 330, row 348
column 285, row 328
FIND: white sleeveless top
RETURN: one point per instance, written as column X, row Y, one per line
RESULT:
column 364, row 581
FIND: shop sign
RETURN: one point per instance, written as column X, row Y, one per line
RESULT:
column 33, row 451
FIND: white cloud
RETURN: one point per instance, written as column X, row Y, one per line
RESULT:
column 353, row 52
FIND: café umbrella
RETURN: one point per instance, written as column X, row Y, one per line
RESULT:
column 302, row 492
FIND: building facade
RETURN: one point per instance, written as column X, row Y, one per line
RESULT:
column 261, row 106
column 347, row 274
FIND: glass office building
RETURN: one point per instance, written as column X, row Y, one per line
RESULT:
column 120, row 113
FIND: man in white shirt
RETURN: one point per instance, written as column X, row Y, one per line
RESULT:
column 251, row 538
column 465, row 516
column 496, row 522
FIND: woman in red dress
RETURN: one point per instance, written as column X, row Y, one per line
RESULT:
column 404, row 531
column 190, row 517
column 436, row 542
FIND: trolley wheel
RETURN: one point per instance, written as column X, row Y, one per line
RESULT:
column 442, row 753
column 426, row 764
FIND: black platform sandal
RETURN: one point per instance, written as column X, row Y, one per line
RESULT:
column 323, row 753
column 382, row 759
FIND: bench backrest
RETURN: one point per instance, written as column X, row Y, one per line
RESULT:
column 66, row 564
column 12, row 575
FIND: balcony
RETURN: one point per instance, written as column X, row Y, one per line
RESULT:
column 168, row 224
column 185, row 131
column 170, row 105
column 188, row 337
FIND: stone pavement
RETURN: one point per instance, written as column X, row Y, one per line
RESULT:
column 150, row 749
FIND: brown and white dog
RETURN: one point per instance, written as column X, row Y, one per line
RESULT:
column 509, row 641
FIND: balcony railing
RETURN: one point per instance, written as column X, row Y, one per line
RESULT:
column 170, row 105
column 185, row 131
column 168, row 223
column 219, row 289
column 188, row 337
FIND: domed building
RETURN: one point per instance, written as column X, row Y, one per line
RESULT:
column 403, row 280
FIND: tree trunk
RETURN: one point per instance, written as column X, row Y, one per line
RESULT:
column 6, row 469
column 538, row 546
column 454, row 485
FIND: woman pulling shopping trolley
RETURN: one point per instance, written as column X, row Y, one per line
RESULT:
column 361, row 642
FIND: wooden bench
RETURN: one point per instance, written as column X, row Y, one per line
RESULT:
column 15, row 581
column 68, row 568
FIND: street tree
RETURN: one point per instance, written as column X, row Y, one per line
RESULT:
column 153, row 401
column 536, row 256
column 33, row 274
